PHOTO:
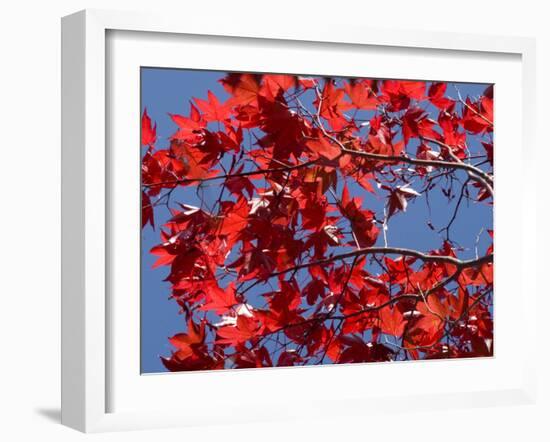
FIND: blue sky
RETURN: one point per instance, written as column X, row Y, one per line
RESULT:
column 165, row 91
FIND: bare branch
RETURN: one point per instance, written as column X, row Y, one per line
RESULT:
column 391, row 251
column 235, row 175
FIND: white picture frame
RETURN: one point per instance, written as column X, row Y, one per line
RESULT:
column 87, row 356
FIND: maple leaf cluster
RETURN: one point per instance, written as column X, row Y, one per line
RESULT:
column 291, row 264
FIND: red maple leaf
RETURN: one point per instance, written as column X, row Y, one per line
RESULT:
column 244, row 329
column 244, row 88
column 392, row 321
column 398, row 199
column 148, row 131
column 185, row 342
column 399, row 93
column 428, row 329
column 147, row 214
column 361, row 94
column 218, row 299
column 436, row 94
column 212, row 109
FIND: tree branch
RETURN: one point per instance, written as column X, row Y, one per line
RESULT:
column 235, row 175
column 461, row 264
column 477, row 174
column 419, row 162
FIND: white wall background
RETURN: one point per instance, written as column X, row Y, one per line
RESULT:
column 30, row 219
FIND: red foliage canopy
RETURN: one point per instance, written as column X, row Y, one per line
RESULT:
column 288, row 266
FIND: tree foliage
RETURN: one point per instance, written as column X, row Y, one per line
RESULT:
column 293, row 263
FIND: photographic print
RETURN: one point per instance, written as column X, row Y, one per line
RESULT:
column 298, row 220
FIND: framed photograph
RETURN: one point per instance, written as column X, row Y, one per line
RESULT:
column 250, row 214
